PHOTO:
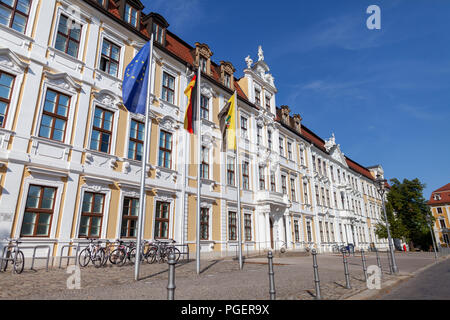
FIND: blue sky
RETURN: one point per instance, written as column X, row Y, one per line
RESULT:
column 384, row 93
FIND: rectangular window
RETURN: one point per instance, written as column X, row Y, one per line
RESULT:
column 332, row 173
column 317, row 195
column 131, row 15
column 102, row 130
column 319, row 165
column 314, row 163
column 203, row 64
column 332, row 231
column 162, row 220
column 281, row 142
column 339, row 175
column 328, row 197
column 262, row 179
column 204, row 107
column 296, row 231
column 91, row 215
column 68, row 37
column 259, row 135
column 244, row 127
column 6, row 85
column 293, row 193
column 136, row 142
column 308, row 231
column 232, row 235
column 257, row 97
column 204, row 224
column 327, row 231
column 341, row 233
column 227, row 80
column 248, row 227
column 439, row 210
column 321, row 231
column 205, row 163
column 38, row 212
column 245, row 176
column 283, row 184
column 54, row 116
column 442, row 222
column 230, row 172
column 110, row 59
column 130, row 215
column 14, row 14
column 268, row 98
column 302, row 156
column 335, row 200
column 269, row 139
column 168, row 89
column 165, row 150
column 158, row 33
column 273, row 186
column 289, row 149
column 305, row 192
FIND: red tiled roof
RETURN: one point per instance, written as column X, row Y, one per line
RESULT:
column 360, row 169
column 444, row 192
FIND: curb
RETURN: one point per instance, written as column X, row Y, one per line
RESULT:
column 367, row 294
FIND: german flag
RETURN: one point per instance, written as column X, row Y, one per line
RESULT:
column 191, row 111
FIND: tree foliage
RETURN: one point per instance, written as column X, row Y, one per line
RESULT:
column 407, row 212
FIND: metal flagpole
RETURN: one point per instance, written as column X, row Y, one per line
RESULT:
column 199, row 156
column 238, row 183
column 140, row 226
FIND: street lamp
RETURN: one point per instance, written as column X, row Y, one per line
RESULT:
column 432, row 236
column 380, row 183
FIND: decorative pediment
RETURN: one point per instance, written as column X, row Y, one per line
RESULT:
column 260, row 68
column 62, row 80
column 208, row 140
column 208, row 91
column 107, row 98
column 10, row 61
column 335, row 151
column 169, row 123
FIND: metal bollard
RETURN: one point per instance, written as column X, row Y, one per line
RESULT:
column 363, row 257
column 347, row 274
column 379, row 262
column 171, row 285
column 271, row 277
column 316, row 274
column 391, row 271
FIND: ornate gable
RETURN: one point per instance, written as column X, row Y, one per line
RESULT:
column 335, row 151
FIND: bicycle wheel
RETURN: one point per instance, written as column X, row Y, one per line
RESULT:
column 98, row 258
column 118, row 257
column 132, row 256
column 150, row 256
column 175, row 251
column 84, row 258
column 19, row 263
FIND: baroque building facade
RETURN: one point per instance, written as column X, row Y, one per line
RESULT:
column 70, row 152
column 440, row 208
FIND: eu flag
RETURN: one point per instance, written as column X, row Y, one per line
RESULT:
column 135, row 83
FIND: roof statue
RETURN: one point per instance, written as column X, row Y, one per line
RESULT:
column 249, row 62
column 260, row 54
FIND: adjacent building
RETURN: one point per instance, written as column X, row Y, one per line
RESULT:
column 440, row 208
column 70, row 152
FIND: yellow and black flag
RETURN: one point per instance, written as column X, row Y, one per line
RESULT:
column 191, row 111
column 227, row 118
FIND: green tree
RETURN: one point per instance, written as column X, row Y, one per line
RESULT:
column 407, row 212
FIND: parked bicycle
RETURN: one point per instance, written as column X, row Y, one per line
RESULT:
column 123, row 253
column 160, row 251
column 93, row 253
column 15, row 256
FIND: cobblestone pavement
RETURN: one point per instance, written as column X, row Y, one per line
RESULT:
column 219, row 280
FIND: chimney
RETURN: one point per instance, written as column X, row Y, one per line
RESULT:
column 285, row 114
column 298, row 123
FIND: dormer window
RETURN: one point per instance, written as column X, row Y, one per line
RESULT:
column 203, row 63
column 437, row 197
column 158, row 33
column 131, row 15
column 227, row 80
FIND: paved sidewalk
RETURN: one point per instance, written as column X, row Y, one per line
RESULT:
column 219, row 280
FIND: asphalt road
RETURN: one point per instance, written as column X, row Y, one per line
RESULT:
column 432, row 284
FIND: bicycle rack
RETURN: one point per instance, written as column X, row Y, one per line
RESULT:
column 49, row 249
column 61, row 257
column 3, row 258
column 184, row 252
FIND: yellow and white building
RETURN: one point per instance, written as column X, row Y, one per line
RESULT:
column 70, row 153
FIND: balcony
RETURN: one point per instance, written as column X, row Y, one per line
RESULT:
column 270, row 197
